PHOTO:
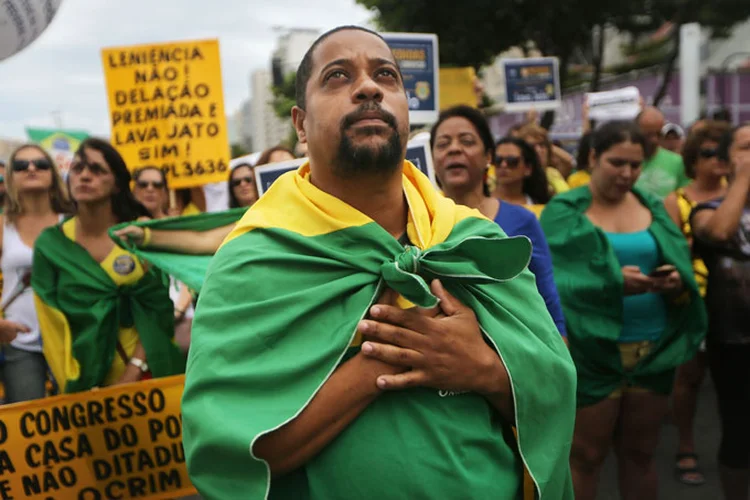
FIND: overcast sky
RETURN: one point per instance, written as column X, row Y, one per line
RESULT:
column 62, row 69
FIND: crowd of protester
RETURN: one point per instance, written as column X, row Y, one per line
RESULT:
column 639, row 241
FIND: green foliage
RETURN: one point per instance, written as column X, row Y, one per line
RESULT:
column 238, row 150
column 470, row 35
column 284, row 96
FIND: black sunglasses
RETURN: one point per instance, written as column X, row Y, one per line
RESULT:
column 94, row 168
column 708, row 153
column 511, row 161
column 146, row 184
column 237, row 182
column 23, row 165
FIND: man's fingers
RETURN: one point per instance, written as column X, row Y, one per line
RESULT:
column 448, row 303
column 391, row 334
column 407, row 318
column 413, row 378
column 391, row 354
column 388, row 297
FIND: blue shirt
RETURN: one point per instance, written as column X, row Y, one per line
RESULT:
column 644, row 316
column 516, row 221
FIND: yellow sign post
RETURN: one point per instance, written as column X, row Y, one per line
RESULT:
column 109, row 444
column 166, row 109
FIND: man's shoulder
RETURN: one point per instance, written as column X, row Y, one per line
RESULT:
column 515, row 216
column 667, row 158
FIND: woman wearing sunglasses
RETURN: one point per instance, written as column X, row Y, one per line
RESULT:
column 700, row 155
column 36, row 199
column 150, row 188
column 104, row 318
column 632, row 307
column 242, row 189
column 462, row 145
column 520, row 178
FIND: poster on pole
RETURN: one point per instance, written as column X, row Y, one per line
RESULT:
column 532, row 83
column 265, row 175
column 123, row 441
column 418, row 152
column 417, row 56
column 166, row 109
column 618, row 104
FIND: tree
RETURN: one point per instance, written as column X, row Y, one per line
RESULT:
column 469, row 35
column 284, row 96
column 718, row 16
column 238, row 150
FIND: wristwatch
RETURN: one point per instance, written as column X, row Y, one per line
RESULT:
column 141, row 364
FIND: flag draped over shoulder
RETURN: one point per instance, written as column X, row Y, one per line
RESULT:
column 589, row 278
column 81, row 310
column 187, row 268
column 278, row 313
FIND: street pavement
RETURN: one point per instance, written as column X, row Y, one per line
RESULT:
column 707, row 442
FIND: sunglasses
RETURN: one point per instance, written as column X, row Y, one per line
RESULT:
column 94, row 168
column 511, row 161
column 708, row 153
column 146, row 184
column 23, row 165
column 237, row 182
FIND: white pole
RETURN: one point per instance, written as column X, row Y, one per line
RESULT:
column 690, row 60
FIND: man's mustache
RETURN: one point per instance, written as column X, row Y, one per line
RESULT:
column 369, row 109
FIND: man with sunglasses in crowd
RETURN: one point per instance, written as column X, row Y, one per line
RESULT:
column 663, row 171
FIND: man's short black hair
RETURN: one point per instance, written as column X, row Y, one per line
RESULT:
column 305, row 67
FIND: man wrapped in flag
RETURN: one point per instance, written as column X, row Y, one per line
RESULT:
column 360, row 336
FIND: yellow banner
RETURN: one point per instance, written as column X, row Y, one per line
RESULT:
column 109, row 444
column 457, row 87
column 166, row 109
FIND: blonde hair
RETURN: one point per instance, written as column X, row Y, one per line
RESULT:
column 58, row 192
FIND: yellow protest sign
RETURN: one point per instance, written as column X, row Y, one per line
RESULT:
column 114, row 443
column 166, row 109
column 457, row 87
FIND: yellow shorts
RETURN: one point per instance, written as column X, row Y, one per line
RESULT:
column 631, row 354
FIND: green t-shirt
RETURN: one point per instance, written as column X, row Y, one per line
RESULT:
column 662, row 173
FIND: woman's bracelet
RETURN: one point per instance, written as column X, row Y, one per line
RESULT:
column 146, row 236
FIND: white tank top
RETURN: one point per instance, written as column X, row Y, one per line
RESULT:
column 15, row 264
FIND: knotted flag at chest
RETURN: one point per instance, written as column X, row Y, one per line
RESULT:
column 277, row 315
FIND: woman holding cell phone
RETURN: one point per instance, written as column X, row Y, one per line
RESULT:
column 632, row 308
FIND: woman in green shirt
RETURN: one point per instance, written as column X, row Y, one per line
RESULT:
column 632, row 308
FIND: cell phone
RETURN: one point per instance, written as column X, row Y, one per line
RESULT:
column 663, row 271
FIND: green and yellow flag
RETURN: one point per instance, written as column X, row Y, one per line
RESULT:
column 188, row 268
column 82, row 311
column 278, row 313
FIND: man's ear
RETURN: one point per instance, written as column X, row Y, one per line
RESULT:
column 298, row 120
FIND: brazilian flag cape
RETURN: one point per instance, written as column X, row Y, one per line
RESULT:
column 81, row 311
column 278, row 313
column 589, row 279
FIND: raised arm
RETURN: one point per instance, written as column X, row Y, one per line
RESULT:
column 721, row 225
column 190, row 242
